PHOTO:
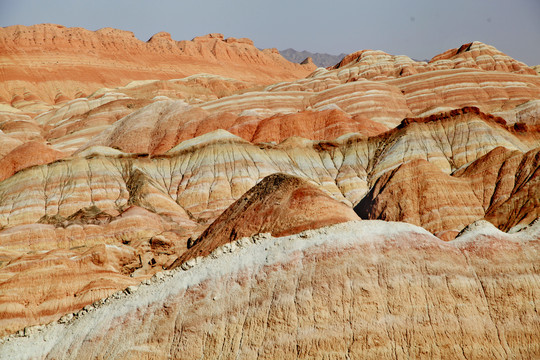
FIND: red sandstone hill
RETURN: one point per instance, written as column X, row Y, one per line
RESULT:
column 53, row 63
column 26, row 155
column 159, row 127
column 280, row 204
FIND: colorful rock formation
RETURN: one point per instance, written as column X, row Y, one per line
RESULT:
column 366, row 289
column 118, row 166
column 48, row 64
column 278, row 205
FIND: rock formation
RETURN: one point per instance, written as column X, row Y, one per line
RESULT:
column 377, row 64
column 48, row 270
column 206, row 174
column 165, row 124
column 359, row 289
column 481, row 56
column 429, row 198
column 26, row 155
column 48, row 64
column 114, row 166
column 279, row 205
column 500, row 186
column 203, row 176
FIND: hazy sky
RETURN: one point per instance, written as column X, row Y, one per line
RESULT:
column 418, row 28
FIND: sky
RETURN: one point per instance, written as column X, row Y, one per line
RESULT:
column 420, row 29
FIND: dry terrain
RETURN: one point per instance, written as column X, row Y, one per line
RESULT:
column 204, row 198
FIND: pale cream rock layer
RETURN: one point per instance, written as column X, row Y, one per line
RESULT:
column 366, row 290
column 526, row 113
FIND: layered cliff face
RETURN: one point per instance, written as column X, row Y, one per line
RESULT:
column 49, row 64
column 107, row 190
column 359, row 289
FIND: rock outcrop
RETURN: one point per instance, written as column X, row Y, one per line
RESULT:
column 48, row 270
column 114, row 166
column 158, row 128
column 481, row 56
column 427, row 197
column 203, row 176
column 26, row 155
column 48, row 64
column 365, row 289
column 280, row 205
column 194, row 182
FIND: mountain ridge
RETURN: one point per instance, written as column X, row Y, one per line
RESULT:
column 50, row 62
column 320, row 59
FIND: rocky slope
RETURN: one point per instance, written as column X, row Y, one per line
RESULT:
column 165, row 124
column 106, row 190
column 279, row 205
column 50, row 63
column 500, row 186
column 47, row 270
column 360, row 289
column 206, row 174
column 79, row 201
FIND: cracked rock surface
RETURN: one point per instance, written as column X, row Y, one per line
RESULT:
column 366, row 289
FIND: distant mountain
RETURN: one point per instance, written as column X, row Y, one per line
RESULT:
column 321, row 60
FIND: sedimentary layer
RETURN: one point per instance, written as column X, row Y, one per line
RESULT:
column 279, row 204
column 359, row 289
column 148, row 169
column 203, row 176
column 48, row 64
column 48, row 270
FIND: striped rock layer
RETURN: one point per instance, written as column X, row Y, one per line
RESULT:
column 103, row 191
column 47, row 64
column 327, row 104
column 201, row 177
column 366, row 290
column 79, row 203
column 278, row 205
column 47, row 271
